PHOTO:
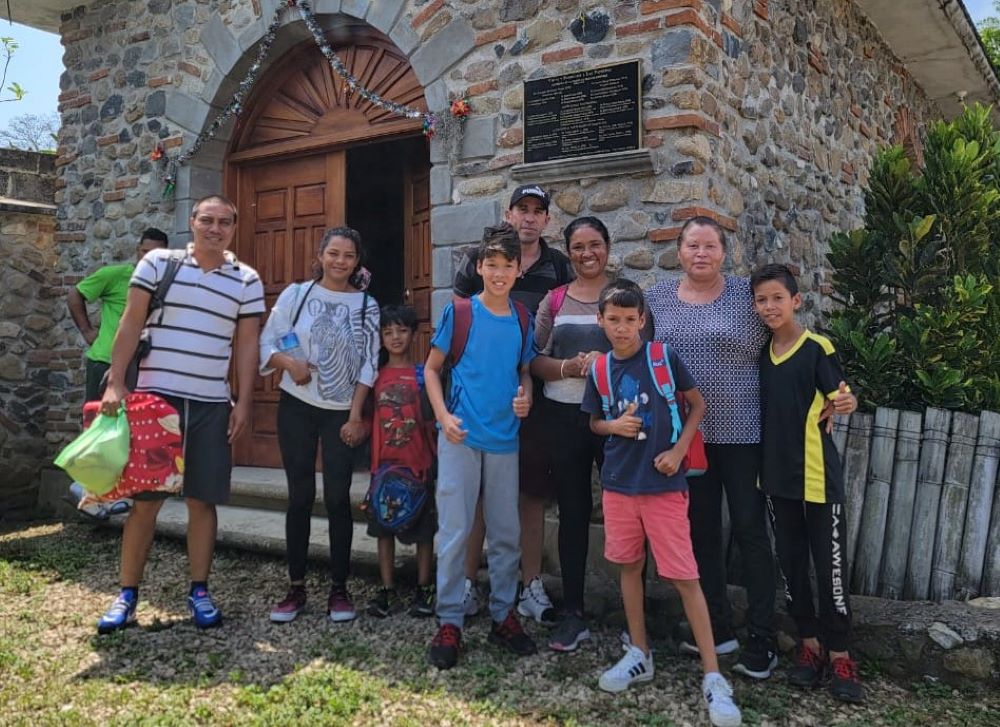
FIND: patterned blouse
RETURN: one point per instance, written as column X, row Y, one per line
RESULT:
column 720, row 343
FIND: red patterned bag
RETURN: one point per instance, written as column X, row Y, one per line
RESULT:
column 156, row 454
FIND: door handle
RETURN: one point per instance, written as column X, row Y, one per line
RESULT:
column 407, row 294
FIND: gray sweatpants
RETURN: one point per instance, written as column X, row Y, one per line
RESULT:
column 462, row 473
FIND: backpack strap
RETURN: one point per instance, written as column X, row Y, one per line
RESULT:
column 524, row 321
column 600, row 371
column 461, row 326
column 663, row 377
column 557, row 296
column 302, row 303
column 174, row 263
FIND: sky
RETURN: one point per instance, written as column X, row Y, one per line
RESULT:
column 37, row 63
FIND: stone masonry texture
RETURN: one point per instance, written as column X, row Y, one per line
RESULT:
column 32, row 373
column 762, row 114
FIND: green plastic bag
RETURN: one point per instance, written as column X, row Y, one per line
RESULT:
column 97, row 457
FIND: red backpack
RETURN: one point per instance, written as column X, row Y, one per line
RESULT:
column 695, row 462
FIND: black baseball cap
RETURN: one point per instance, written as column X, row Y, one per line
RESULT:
column 530, row 190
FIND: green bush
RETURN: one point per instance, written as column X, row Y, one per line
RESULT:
column 919, row 317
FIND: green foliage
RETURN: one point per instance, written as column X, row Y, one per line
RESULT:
column 919, row 322
column 989, row 33
column 7, row 48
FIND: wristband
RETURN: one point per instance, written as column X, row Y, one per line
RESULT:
column 562, row 366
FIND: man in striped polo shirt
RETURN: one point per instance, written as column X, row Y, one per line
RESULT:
column 213, row 300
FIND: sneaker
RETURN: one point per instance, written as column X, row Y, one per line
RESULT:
column 340, row 607
column 445, row 645
column 725, row 643
column 203, row 609
column 757, row 659
column 845, row 682
column 472, row 598
column 569, row 634
column 422, row 605
column 384, row 604
column 510, row 635
column 534, row 603
column 808, row 669
column 632, row 668
column 121, row 613
column 722, row 710
column 291, row 605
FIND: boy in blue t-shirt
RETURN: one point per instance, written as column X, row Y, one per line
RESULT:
column 645, row 489
column 490, row 391
column 802, row 478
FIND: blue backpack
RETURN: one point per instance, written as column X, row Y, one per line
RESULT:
column 396, row 498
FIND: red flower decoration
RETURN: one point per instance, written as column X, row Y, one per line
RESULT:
column 157, row 153
column 460, row 108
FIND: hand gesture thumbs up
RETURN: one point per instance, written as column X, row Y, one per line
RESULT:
column 522, row 403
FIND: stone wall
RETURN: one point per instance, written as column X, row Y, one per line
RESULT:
column 762, row 114
column 27, row 313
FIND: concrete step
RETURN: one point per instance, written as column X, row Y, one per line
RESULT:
column 266, row 488
column 263, row 531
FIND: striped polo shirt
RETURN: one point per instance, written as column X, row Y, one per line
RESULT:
column 192, row 343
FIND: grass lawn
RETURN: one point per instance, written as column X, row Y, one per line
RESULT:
column 56, row 579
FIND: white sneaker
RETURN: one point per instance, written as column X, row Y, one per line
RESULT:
column 722, row 710
column 534, row 603
column 721, row 649
column 632, row 668
column 472, row 599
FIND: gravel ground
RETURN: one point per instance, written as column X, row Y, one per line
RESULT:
column 56, row 579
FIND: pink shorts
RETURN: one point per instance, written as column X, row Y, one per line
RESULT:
column 629, row 520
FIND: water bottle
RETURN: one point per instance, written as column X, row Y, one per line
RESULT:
column 289, row 345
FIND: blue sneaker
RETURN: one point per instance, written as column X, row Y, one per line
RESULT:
column 120, row 615
column 203, row 609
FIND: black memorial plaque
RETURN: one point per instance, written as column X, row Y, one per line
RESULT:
column 596, row 111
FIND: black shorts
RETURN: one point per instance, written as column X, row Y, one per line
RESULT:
column 208, row 461
column 95, row 372
column 422, row 531
column 534, row 462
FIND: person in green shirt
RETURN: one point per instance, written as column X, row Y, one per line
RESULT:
column 109, row 285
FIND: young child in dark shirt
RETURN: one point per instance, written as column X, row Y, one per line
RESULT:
column 802, row 478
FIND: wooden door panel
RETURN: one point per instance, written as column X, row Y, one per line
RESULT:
column 417, row 252
column 284, row 209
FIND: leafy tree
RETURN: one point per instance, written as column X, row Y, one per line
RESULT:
column 919, row 322
column 34, row 132
column 7, row 48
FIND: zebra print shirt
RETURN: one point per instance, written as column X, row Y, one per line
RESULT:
column 341, row 344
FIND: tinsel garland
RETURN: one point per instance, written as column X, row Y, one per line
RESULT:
column 430, row 122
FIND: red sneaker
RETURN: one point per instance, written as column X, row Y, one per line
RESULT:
column 445, row 645
column 510, row 635
column 340, row 607
column 291, row 605
column 808, row 669
column 845, row 682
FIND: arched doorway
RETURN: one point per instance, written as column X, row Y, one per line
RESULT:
column 310, row 155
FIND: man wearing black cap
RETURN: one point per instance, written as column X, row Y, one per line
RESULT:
column 542, row 269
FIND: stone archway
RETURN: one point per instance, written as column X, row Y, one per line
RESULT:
column 232, row 54
column 303, row 159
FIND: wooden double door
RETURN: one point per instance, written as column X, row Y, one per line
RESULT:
column 284, row 208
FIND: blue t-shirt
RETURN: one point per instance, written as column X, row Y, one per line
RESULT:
column 485, row 381
column 628, row 463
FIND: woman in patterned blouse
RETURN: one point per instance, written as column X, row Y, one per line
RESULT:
column 709, row 319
